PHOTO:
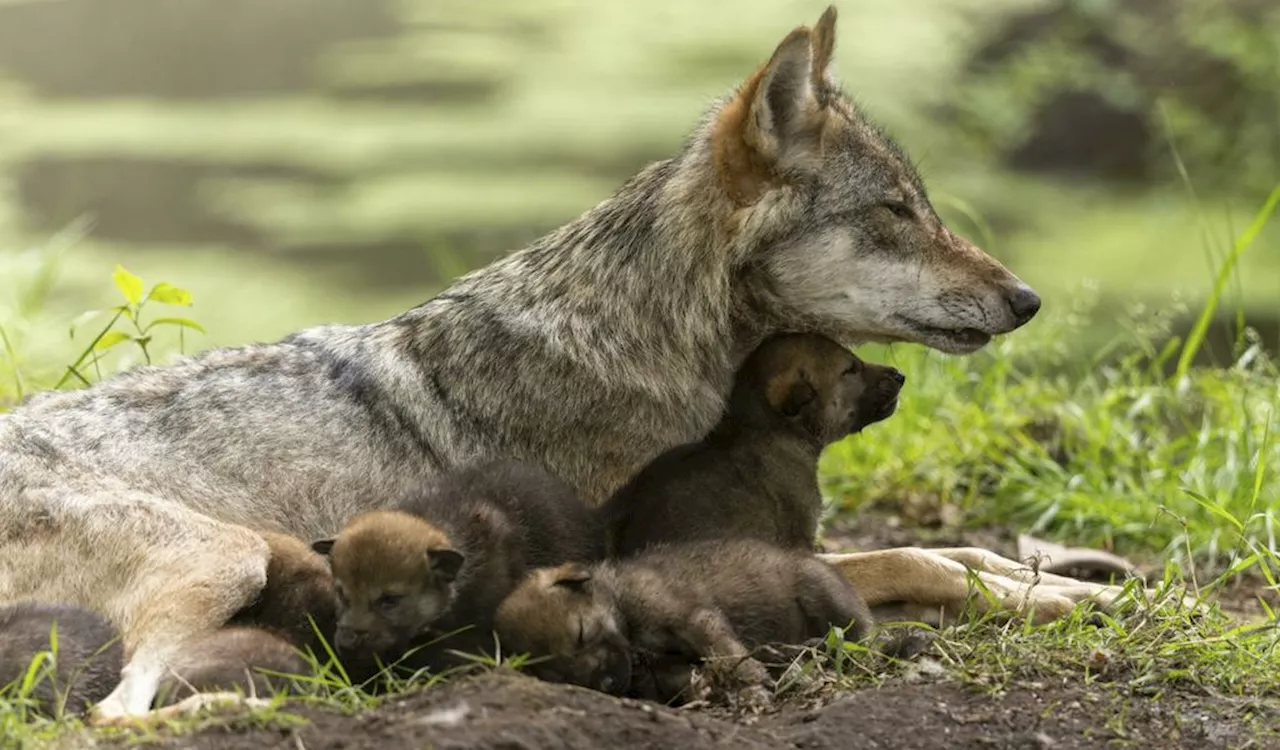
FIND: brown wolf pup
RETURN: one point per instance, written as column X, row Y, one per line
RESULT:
column 696, row 601
column 445, row 557
column 298, row 603
column 756, row 474
column 590, row 351
column 251, row 661
column 80, row 670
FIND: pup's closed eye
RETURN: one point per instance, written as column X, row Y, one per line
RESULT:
column 388, row 601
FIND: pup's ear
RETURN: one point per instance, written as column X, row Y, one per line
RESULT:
column 573, row 576
column 323, row 546
column 799, row 396
column 776, row 119
column 445, row 562
column 790, row 392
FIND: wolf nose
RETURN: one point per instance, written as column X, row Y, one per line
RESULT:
column 897, row 376
column 1024, row 303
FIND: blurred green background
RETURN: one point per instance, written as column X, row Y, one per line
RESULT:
column 303, row 161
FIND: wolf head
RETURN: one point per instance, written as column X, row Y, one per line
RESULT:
column 831, row 223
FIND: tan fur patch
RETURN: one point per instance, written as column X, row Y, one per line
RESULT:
column 384, row 544
column 742, row 171
column 780, row 385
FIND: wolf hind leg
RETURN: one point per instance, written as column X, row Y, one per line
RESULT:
column 161, row 572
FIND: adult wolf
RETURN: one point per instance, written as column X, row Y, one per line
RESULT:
column 590, row 351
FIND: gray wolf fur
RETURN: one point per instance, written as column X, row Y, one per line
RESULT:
column 708, row 600
column 756, row 474
column 430, row 573
column 590, row 352
column 82, row 669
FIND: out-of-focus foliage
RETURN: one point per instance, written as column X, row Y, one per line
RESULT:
column 1097, row 88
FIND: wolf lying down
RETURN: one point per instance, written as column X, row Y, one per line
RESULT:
column 636, row 598
column 590, row 352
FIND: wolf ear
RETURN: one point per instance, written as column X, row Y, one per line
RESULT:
column 824, row 47
column 776, row 118
column 445, row 563
column 573, row 577
column 323, row 546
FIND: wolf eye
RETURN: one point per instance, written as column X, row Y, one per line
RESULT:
column 389, row 601
column 582, row 634
column 899, row 209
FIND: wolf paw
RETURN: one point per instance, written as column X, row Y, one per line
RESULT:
column 189, row 706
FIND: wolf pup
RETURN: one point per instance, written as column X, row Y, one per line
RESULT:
column 298, row 603
column 590, row 351
column 443, row 560
column 687, row 603
column 248, row 660
column 81, row 670
column 756, row 474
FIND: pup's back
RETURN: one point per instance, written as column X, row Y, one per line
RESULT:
column 299, row 591
column 768, row 594
column 552, row 525
column 84, row 667
column 240, row 659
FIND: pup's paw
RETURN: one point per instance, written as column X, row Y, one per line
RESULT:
column 751, row 672
column 754, row 698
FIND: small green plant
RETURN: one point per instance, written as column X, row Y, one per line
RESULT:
column 130, row 315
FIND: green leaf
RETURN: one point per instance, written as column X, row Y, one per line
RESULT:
column 180, row 322
column 128, row 284
column 110, row 339
column 168, row 294
column 1214, row 508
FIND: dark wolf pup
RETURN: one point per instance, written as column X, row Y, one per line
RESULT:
column 591, row 351
column 756, row 474
column 298, row 603
column 83, row 661
column 685, row 603
column 429, row 574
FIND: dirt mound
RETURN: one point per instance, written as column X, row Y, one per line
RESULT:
column 514, row 712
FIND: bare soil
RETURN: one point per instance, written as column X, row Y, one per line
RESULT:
column 514, row 712
column 505, row 710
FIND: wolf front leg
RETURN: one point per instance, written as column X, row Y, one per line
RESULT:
column 976, row 558
column 924, row 579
